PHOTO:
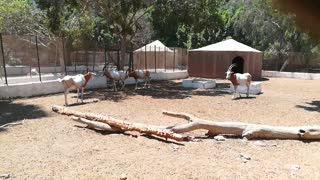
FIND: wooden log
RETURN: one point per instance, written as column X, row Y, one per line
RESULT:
column 96, row 125
column 123, row 125
column 249, row 131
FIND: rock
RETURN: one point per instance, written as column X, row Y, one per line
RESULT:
column 219, row 138
column 245, row 157
column 260, row 143
column 5, row 176
column 175, row 147
column 295, row 167
column 123, row 177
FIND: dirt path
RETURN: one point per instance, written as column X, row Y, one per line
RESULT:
column 51, row 146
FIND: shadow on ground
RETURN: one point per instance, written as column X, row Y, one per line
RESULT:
column 311, row 106
column 158, row 90
column 12, row 112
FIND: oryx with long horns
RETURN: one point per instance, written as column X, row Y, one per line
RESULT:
column 238, row 79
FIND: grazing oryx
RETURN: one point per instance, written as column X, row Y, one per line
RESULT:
column 114, row 75
column 77, row 82
column 238, row 79
column 141, row 74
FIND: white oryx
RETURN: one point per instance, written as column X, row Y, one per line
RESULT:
column 238, row 79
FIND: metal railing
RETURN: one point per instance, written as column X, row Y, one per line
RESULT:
column 36, row 59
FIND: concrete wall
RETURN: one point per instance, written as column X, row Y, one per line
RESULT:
column 53, row 86
column 307, row 76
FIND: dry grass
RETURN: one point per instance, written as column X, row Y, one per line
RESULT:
column 51, row 146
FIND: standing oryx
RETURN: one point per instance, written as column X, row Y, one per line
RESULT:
column 238, row 79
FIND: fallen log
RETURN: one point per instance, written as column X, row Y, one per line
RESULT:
column 96, row 125
column 246, row 130
column 123, row 125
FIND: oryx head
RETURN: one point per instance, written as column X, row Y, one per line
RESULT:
column 229, row 72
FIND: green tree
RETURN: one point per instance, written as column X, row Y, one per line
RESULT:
column 257, row 23
column 187, row 23
column 123, row 17
column 20, row 17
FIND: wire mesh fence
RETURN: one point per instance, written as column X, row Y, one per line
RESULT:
column 36, row 58
column 293, row 62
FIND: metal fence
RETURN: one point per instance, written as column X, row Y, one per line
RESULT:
column 296, row 62
column 34, row 58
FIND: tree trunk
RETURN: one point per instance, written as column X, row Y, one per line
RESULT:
column 123, row 125
column 123, row 50
column 246, row 130
column 285, row 65
column 96, row 125
column 249, row 131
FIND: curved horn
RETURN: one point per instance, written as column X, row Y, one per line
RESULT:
column 231, row 66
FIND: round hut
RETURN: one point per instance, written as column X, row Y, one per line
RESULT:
column 212, row 61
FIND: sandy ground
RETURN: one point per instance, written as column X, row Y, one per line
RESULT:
column 51, row 146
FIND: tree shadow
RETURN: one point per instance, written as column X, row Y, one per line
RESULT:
column 159, row 90
column 11, row 112
column 312, row 106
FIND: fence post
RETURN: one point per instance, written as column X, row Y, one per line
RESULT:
column 174, row 58
column 64, row 58
column 165, row 59
column 94, row 56
column 3, row 60
column 105, row 55
column 161, row 60
column 145, row 57
column 75, row 62
column 118, row 60
column 155, row 58
column 38, row 58
column 131, row 58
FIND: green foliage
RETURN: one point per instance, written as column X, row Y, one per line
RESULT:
column 21, row 17
column 257, row 23
column 186, row 23
column 122, row 15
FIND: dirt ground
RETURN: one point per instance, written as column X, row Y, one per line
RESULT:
column 51, row 146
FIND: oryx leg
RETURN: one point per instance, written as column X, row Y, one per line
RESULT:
column 145, row 82
column 114, row 85
column 123, row 84
column 235, row 92
column 149, row 78
column 82, row 89
column 65, row 97
column 136, row 83
column 77, row 94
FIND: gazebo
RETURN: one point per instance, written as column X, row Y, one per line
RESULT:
column 212, row 61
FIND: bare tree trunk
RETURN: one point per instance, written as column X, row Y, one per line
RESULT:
column 246, row 130
column 285, row 65
column 96, row 125
column 249, row 131
column 123, row 50
column 123, row 125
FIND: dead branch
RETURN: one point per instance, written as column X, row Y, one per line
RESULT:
column 12, row 124
column 250, row 131
column 123, row 125
column 96, row 125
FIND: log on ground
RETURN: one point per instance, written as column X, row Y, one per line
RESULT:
column 123, row 125
column 247, row 130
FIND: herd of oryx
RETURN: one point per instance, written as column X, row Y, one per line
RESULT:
column 79, row 82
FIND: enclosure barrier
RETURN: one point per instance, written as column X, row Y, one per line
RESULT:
column 53, row 86
column 34, row 58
